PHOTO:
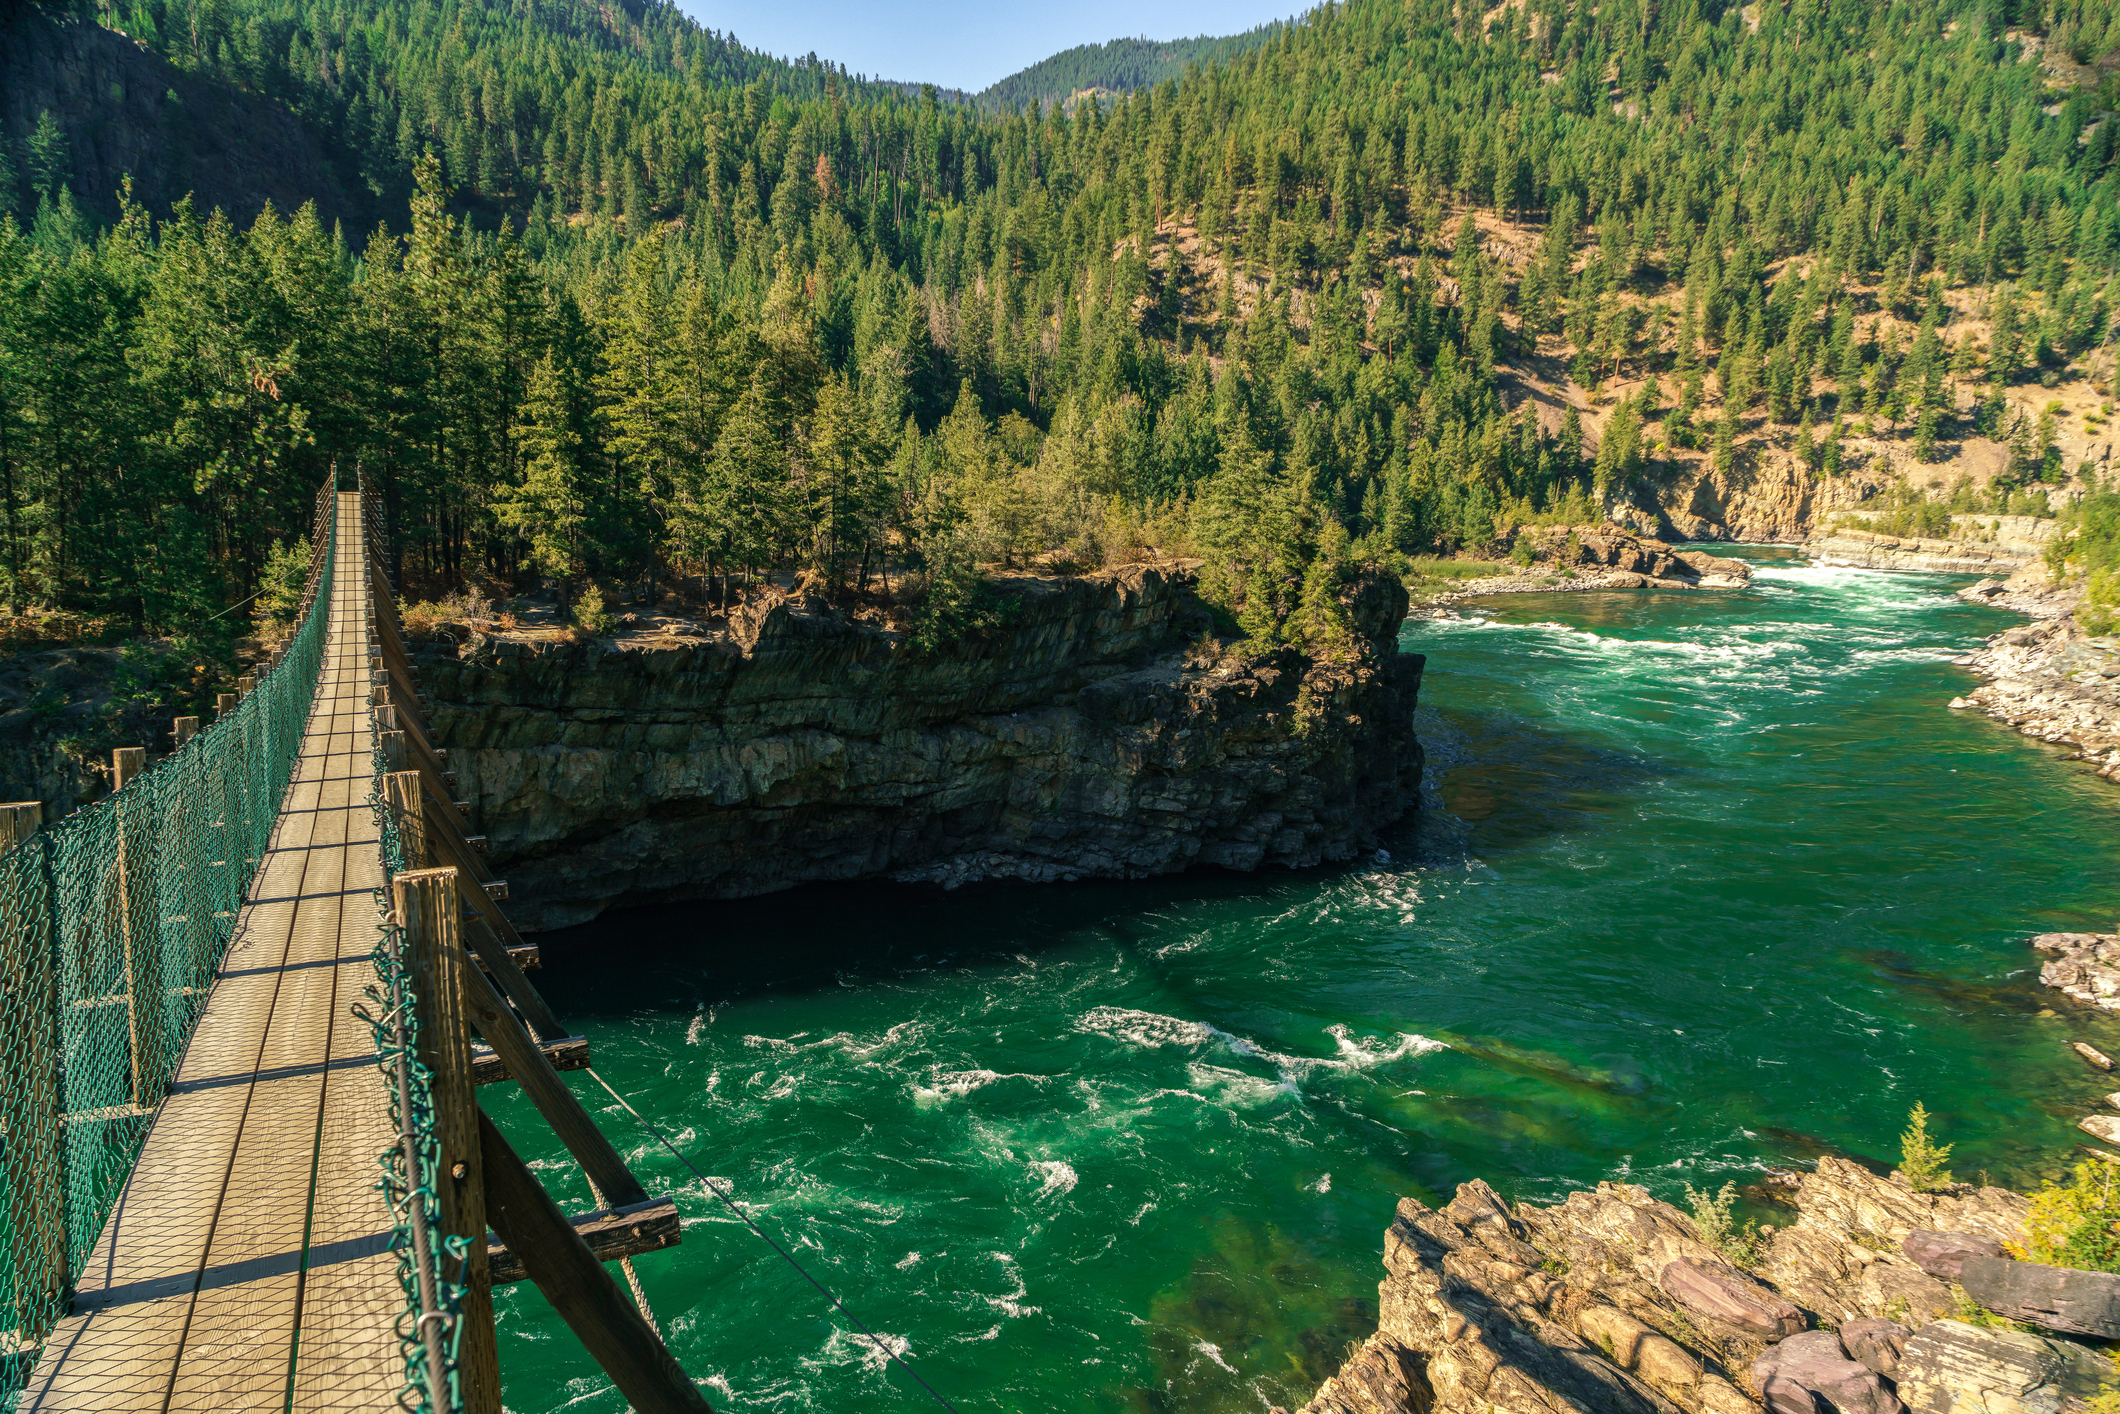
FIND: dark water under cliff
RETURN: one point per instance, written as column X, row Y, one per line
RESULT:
column 1713, row 880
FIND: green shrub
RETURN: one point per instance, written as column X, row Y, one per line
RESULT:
column 1717, row 1228
column 1920, row 1158
column 591, row 616
column 2077, row 1225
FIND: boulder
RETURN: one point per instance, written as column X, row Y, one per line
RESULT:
column 2055, row 1298
column 1904, row 1290
column 1721, row 1294
column 1941, row 1254
column 1876, row 1342
column 1807, row 1370
column 1952, row 1368
column 2092, row 1054
column 2106, row 1127
column 1696, row 564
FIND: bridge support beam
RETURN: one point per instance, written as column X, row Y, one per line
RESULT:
column 554, row 1256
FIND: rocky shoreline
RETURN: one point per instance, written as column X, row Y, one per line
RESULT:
column 1989, row 545
column 2049, row 679
column 1872, row 1299
column 1606, row 558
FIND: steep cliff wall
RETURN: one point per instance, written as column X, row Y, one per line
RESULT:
column 1100, row 733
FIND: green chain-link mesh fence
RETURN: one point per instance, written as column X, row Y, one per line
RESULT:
column 428, row 1329
column 113, row 922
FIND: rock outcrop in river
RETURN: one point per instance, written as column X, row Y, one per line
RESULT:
column 1102, row 732
column 2050, row 679
column 1610, row 1303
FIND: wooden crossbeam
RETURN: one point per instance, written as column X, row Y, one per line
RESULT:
column 566, row 1053
column 611, row 1234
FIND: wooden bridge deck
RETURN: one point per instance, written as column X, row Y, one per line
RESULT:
column 246, row 1265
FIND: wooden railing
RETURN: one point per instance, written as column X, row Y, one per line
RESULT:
column 467, row 967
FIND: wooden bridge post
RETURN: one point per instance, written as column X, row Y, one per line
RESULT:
column 401, row 789
column 182, row 730
column 19, row 820
column 223, row 704
column 34, row 1103
column 428, row 911
column 139, row 946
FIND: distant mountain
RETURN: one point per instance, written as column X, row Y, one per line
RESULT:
column 1119, row 67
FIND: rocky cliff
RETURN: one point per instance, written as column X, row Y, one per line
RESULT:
column 1610, row 1303
column 1100, row 732
column 1976, row 544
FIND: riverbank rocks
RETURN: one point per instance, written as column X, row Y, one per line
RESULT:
column 1609, row 557
column 1987, row 545
column 1098, row 730
column 1610, row 1301
column 2086, row 966
column 1953, row 1368
column 2052, row 1298
column 2106, row 1127
column 1717, row 1293
column 1803, row 1370
column 1876, row 1342
column 2050, row 679
column 1942, row 1254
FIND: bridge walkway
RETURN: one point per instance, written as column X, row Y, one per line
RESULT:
column 246, row 1264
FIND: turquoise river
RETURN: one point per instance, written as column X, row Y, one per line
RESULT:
column 1703, row 882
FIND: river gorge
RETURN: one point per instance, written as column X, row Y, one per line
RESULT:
column 1703, row 881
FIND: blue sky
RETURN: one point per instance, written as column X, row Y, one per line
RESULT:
column 966, row 44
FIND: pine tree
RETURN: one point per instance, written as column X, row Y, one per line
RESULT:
column 546, row 509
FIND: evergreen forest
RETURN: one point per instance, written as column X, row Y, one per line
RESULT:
column 1119, row 66
column 659, row 311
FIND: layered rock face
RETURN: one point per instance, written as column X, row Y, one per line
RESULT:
column 1100, row 733
column 1610, row 1303
column 1991, row 545
column 1774, row 501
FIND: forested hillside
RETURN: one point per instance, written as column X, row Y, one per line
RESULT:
column 1120, row 66
column 1298, row 308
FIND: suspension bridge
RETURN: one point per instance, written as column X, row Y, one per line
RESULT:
column 248, row 1000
